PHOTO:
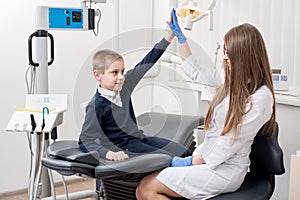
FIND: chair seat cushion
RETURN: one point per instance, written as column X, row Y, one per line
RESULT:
column 253, row 187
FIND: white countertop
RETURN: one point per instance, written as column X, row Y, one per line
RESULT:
column 287, row 98
column 281, row 97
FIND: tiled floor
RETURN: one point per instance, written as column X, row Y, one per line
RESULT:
column 73, row 186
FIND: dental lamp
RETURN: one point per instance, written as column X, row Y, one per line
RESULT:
column 190, row 12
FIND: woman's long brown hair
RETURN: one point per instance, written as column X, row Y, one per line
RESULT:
column 249, row 70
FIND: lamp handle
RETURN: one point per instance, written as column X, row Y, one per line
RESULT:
column 30, row 50
column 212, row 5
column 210, row 20
column 40, row 33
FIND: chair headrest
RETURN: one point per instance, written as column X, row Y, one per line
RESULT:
column 171, row 126
column 266, row 155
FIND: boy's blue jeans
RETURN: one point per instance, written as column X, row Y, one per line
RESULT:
column 156, row 145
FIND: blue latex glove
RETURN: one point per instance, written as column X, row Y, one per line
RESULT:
column 175, row 28
column 181, row 162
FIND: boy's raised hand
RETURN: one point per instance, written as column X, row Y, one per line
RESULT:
column 116, row 156
column 173, row 24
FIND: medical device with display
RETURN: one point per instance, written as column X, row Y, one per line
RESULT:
column 43, row 113
column 49, row 18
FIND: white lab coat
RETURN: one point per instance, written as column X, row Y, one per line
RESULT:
column 226, row 162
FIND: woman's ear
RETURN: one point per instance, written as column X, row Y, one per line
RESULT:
column 97, row 75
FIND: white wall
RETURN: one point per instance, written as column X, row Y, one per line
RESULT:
column 289, row 139
column 278, row 21
column 72, row 53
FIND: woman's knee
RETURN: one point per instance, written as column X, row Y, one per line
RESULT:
column 142, row 193
column 138, row 193
column 145, row 189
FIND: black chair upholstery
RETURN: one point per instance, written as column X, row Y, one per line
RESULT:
column 120, row 178
column 178, row 128
column 266, row 161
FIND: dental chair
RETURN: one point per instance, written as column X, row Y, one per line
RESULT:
column 120, row 178
column 266, row 161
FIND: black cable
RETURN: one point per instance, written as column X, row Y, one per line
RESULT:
column 33, row 124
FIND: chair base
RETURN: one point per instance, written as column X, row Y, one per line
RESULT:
column 119, row 190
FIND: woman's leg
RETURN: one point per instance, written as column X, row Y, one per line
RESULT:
column 150, row 188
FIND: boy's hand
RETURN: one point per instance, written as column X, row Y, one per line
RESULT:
column 173, row 24
column 116, row 156
column 181, row 162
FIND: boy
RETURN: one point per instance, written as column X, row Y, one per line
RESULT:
column 110, row 124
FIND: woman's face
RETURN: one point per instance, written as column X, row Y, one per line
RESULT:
column 226, row 57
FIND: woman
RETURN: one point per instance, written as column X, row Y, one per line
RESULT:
column 243, row 104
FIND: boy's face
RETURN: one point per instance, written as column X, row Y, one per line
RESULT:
column 113, row 77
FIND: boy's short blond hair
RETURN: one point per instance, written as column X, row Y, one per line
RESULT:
column 104, row 58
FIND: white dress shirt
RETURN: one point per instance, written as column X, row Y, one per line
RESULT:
column 112, row 96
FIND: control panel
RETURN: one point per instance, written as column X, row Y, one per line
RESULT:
column 66, row 18
column 81, row 18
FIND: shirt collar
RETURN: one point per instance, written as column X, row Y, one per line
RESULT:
column 106, row 92
column 112, row 96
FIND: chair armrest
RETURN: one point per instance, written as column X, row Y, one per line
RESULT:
column 69, row 150
column 138, row 165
